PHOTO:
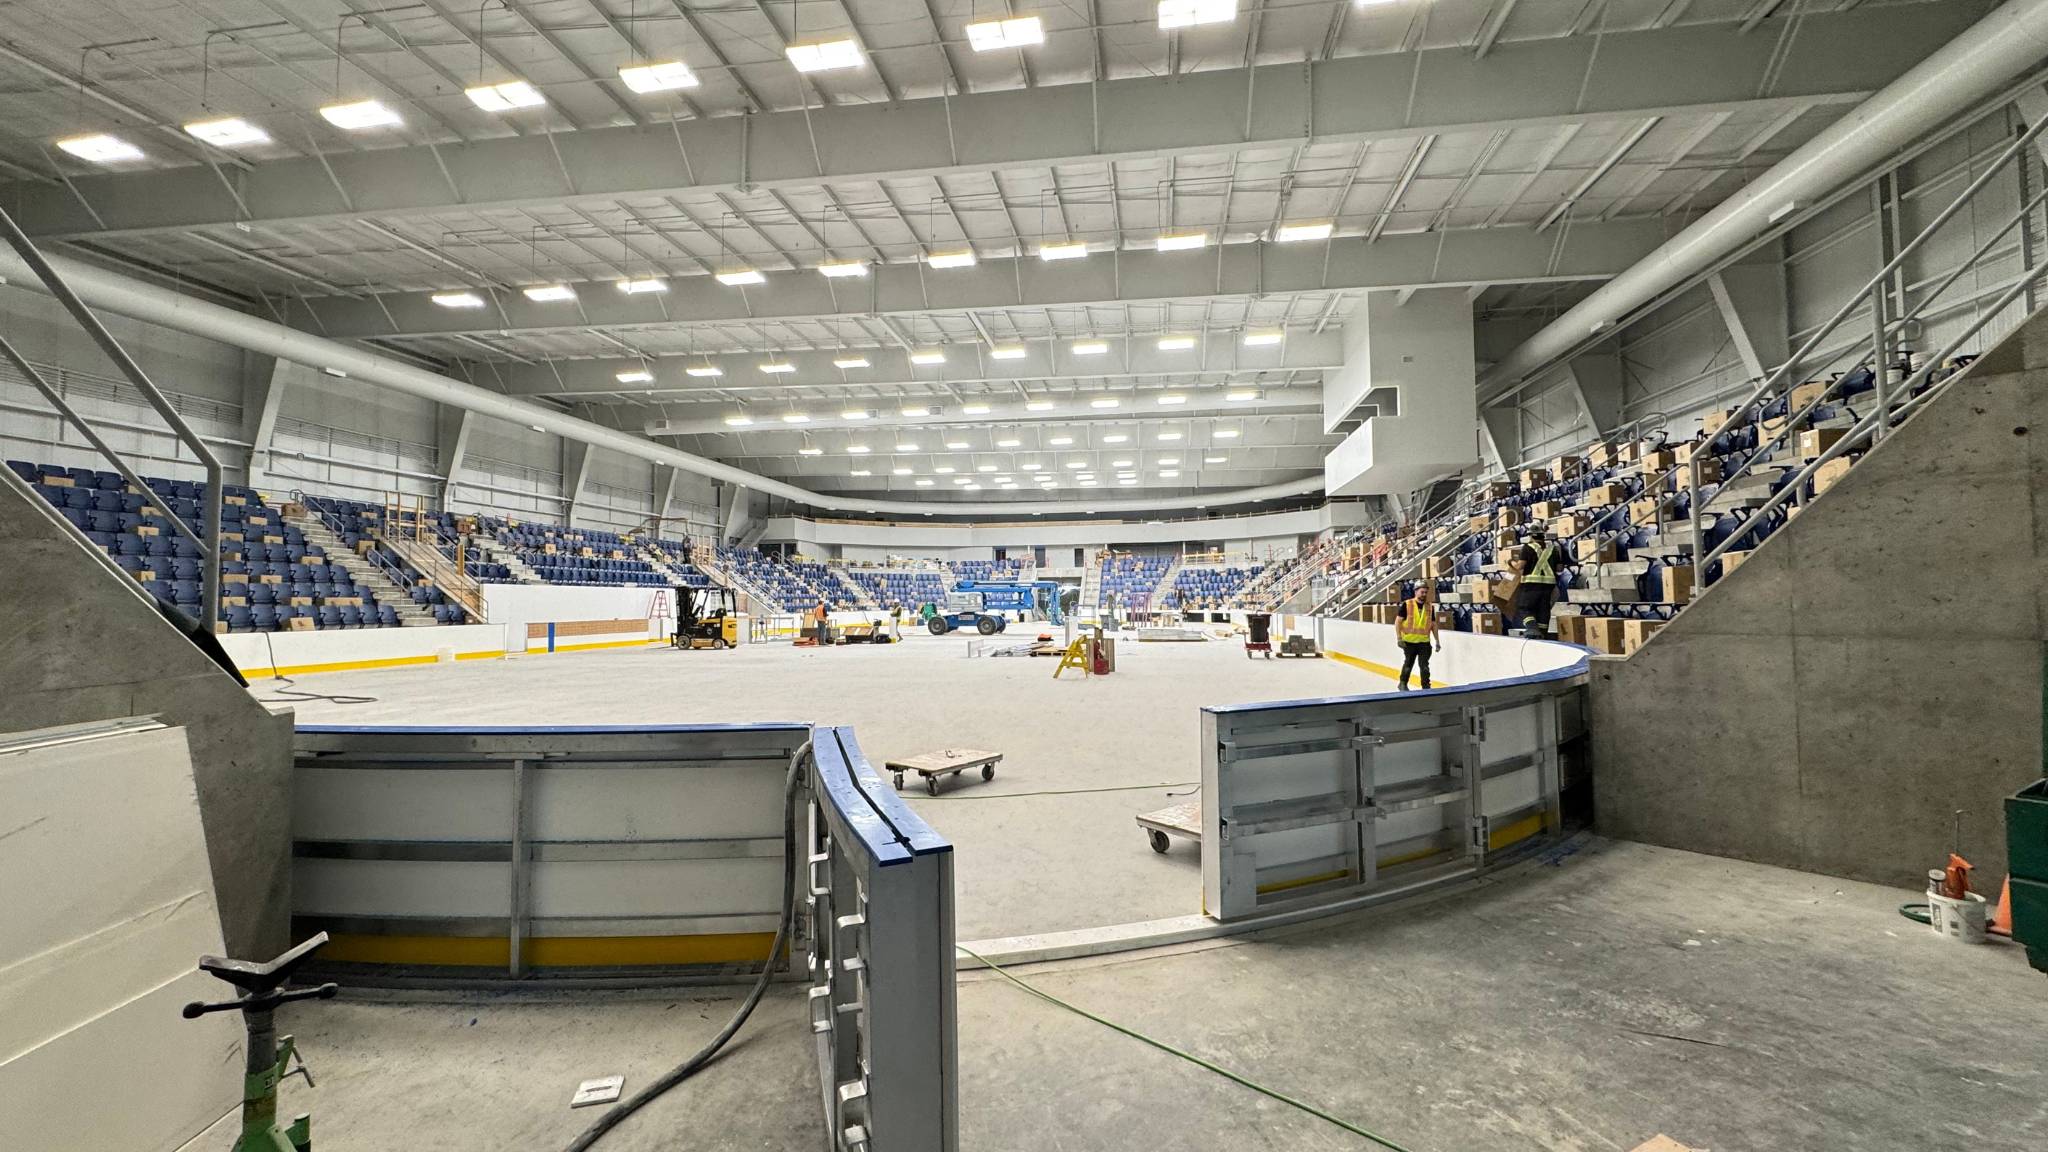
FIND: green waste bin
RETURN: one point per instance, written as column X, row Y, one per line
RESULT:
column 2026, row 849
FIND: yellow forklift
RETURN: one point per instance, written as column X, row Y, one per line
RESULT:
column 705, row 618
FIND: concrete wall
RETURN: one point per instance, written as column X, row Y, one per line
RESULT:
column 82, row 643
column 1875, row 665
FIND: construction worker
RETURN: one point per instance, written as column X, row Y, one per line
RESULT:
column 823, row 617
column 1415, row 627
column 1537, row 563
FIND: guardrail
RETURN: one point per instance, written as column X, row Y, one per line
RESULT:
column 1328, row 804
column 879, row 883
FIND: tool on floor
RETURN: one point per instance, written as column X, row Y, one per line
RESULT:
column 1952, row 910
column 603, row 1090
column 268, row 1058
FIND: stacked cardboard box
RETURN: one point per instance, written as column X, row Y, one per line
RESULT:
column 1635, row 632
column 1829, row 474
column 1604, row 634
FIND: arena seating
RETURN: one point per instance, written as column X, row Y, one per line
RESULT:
column 793, row 587
column 1130, row 580
column 986, row 570
column 1207, row 589
column 909, row 587
column 269, row 576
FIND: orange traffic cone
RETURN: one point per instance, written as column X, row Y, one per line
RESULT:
column 2001, row 920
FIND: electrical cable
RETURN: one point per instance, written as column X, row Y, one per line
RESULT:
column 1190, row 1057
column 292, row 695
column 704, row 1055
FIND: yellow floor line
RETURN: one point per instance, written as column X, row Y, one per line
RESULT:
column 1388, row 671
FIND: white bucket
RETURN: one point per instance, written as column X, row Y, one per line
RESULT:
column 1957, row 919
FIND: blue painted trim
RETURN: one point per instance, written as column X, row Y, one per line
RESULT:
column 885, row 827
column 545, row 729
column 551, row 635
column 1578, row 669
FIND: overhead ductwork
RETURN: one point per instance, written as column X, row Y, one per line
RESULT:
column 1973, row 67
column 132, row 298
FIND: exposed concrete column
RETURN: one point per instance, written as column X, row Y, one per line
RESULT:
column 1423, row 353
column 575, row 477
column 663, row 494
column 451, row 438
column 262, row 397
column 733, row 500
column 1502, row 427
column 1596, row 379
column 1752, row 302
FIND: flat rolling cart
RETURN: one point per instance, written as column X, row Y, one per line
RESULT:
column 947, row 762
column 1181, row 820
column 1258, row 634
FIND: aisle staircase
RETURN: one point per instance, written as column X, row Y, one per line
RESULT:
column 496, row 553
column 423, row 553
column 363, row 571
column 654, row 559
column 1090, row 605
column 1160, row 591
column 861, row 597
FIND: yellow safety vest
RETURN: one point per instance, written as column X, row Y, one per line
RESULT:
column 1414, row 625
column 1541, row 571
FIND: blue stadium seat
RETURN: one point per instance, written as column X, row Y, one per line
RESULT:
column 264, row 617
column 387, row 616
column 330, row 617
column 239, row 618
column 351, row 616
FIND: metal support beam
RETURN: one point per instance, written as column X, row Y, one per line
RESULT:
column 733, row 500
column 262, row 397
column 1592, row 251
column 1502, row 427
column 1624, row 76
column 575, row 478
column 662, row 494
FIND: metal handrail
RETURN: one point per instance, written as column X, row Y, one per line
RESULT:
column 209, row 548
column 1868, row 427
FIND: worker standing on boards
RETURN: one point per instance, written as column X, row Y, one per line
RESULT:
column 1416, row 629
column 824, row 621
column 1537, row 564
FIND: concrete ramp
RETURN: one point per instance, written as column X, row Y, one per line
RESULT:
column 82, row 643
column 1875, row 665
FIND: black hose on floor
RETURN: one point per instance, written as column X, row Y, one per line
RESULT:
column 690, row 1067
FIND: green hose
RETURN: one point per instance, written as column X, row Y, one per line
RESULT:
column 1919, row 912
column 1190, row 1057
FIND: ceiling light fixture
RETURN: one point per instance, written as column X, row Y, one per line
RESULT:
column 1168, row 437
column 907, row 446
column 1294, row 233
column 101, row 148
column 1007, row 352
column 229, row 132
column 810, row 451
column 857, row 414
column 1039, row 406
column 1016, row 32
column 974, row 410
column 963, row 258
column 361, row 114
column 928, row 357
column 1263, row 339
column 740, row 421
column 1077, row 463
column 662, row 77
column 1215, row 459
column 1241, row 397
column 703, row 370
column 1089, row 347
column 735, row 277
column 1189, row 13
column 1171, row 401
column 840, row 269
column 1060, row 441
column 1181, row 241
column 945, row 470
column 1070, row 250
column 635, row 376
column 850, row 362
column 824, row 55
column 1176, row 343
column 457, row 299
column 506, row 96
column 957, row 445
column 1105, row 402
column 796, row 418
column 1168, row 461
column 926, row 483
column 643, row 285
column 548, row 293
column 1118, row 438
column 1227, row 434
column 1167, row 474
column 985, row 468
column 1122, row 463
column 917, row 410
column 861, row 472
column 857, row 449
column 1008, row 443
column 777, row 367
column 901, row 471
column 1030, row 466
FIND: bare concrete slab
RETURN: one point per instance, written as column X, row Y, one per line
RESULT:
column 1581, row 1004
column 1050, row 844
